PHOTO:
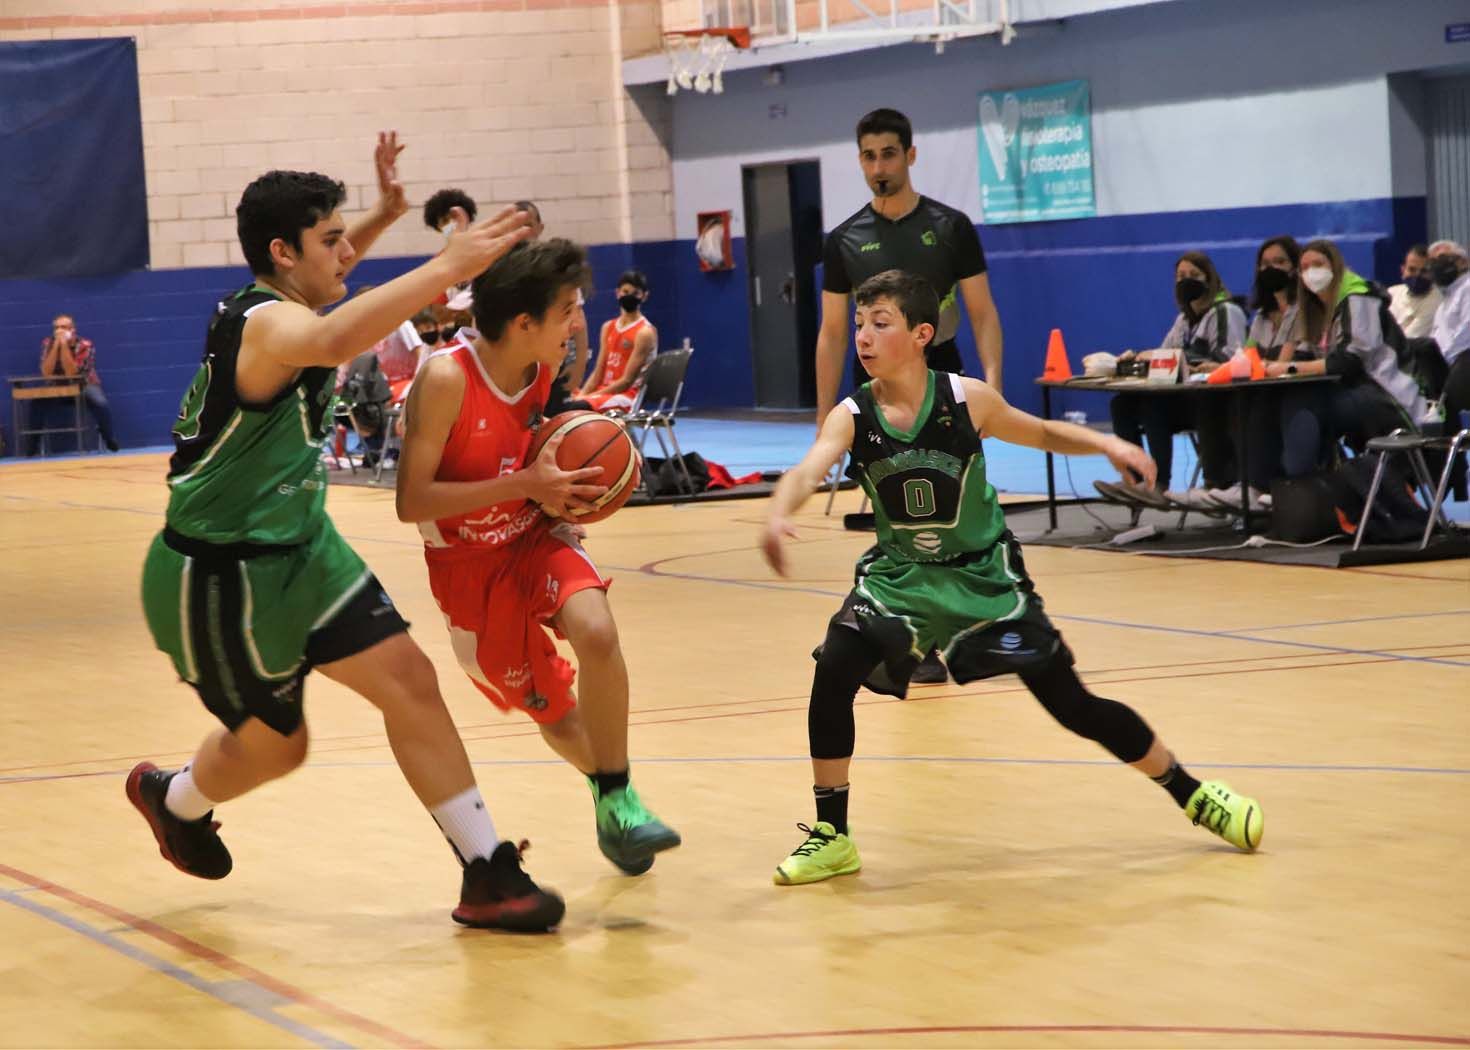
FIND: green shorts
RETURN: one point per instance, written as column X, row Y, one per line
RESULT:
column 981, row 611
column 244, row 624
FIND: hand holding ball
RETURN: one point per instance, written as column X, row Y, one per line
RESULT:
column 577, row 444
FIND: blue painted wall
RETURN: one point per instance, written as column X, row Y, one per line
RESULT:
column 1105, row 282
column 149, row 327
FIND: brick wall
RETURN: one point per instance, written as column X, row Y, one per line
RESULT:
column 507, row 99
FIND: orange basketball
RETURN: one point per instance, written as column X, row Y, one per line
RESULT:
column 592, row 440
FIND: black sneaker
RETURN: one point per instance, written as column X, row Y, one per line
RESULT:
column 497, row 894
column 931, row 671
column 192, row 846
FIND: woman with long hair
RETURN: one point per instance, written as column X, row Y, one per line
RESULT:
column 1209, row 329
column 1344, row 327
column 1274, row 297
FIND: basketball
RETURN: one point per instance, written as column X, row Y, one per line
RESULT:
column 593, row 440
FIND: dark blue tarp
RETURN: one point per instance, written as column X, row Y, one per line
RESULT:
column 72, row 195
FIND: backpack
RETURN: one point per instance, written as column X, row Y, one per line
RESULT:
column 1330, row 503
column 668, row 480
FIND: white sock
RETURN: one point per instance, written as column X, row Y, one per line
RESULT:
column 184, row 799
column 467, row 825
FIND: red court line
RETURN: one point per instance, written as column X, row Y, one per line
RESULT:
column 378, row 737
column 874, row 702
column 1125, row 1029
column 377, row 740
column 917, row 699
column 225, row 962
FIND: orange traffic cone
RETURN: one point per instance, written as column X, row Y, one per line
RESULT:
column 1058, row 367
column 1258, row 369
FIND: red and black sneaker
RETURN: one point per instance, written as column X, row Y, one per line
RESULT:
column 192, row 846
column 497, row 894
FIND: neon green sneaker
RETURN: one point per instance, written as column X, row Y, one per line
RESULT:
column 1238, row 820
column 825, row 853
column 627, row 833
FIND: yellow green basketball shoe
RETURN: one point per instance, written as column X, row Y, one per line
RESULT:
column 627, row 833
column 1238, row 820
column 825, row 853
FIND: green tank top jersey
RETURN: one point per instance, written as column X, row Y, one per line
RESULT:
column 247, row 473
column 930, row 497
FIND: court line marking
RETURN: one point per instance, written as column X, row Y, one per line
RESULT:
column 1239, row 636
column 244, row 971
column 979, row 760
column 468, row 735
column 1299, row 1033
column 227, row 992
column 1358, row 619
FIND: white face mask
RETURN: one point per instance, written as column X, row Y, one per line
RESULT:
column 1317, row 278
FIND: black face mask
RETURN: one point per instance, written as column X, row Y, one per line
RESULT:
column 1188, row 289
column 629, row 302
column 1419, row 284
column 1270, row 280
column 1444, row 270
column 447, row 334
column 430, row 337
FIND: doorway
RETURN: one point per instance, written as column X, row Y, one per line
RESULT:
column 783, row 245
column 1448, row 107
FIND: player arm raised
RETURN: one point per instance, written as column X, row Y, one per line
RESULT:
column 391, row 205
column 993, row 417
column 293, row 336
column 797, row 484
column 433, row 405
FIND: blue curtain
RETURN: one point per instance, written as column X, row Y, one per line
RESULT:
column 73, row 201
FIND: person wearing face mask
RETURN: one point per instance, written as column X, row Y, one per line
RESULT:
column 1209, row 329
column 1345, row 326
column 445, row 212
column 628, row 343
column 1274, row 296
column 1449, row 268
column 1414, row 302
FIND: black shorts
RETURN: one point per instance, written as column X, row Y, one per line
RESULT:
column 234, row 693
column 981, row 610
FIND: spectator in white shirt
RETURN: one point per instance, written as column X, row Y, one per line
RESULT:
column 1450, row 268
column 1414, row 302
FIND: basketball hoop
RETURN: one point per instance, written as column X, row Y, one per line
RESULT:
column 697, row 57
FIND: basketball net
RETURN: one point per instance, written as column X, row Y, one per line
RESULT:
column 697, row 58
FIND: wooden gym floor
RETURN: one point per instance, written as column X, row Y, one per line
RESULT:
column 1020, row 889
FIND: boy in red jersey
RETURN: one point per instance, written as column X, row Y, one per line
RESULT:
column 500, row 569
column 627, row 344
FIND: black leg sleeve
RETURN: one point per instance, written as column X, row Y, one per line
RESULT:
column 843, row 664
column 1115, row 726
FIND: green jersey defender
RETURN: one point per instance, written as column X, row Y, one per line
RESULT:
column 243, row 584
column 945, row 572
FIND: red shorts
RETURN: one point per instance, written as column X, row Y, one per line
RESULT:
column 603, row 402
column 497, row 604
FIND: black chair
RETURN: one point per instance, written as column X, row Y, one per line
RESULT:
column 656, row 409
column 1413, row 446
